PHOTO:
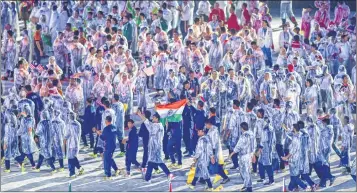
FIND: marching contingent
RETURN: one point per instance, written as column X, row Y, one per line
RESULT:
column 197, row 72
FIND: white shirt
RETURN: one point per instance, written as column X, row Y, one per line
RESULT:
column 345, row 50
column 186, row 13
column 265, row 39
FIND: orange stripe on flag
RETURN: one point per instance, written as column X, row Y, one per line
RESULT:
column 174, row 105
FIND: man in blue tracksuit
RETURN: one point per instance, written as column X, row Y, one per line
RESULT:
column 199, row 118
column 174, row 132
column 144, row 134
column 165, row 140
column 98, row 125
column 187, row 119
column 174, row 143
column 132, row 144
column 88, row 122
column 108, row 135
column 35, row 98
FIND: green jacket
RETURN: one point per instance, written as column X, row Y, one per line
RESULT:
column 128, row 31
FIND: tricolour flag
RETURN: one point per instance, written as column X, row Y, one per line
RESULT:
column 173, row 111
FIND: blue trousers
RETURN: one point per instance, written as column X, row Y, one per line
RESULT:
column 174, row 146
column 307, row 179
column 183, row 28
column 280, row 151
column 165, row 142
column 234, row 159
column 72, row 165
column 130, row 159
column 61, row 163
column 267, row 54
column 50, row 162
column 255, row 165
column 2, row 151
column 193, row 143
column 151, row 166
column 22, row 157
column 317, row 170
column 323, row 172
column 109, row 163
column 268, row 169
column 145, row 153
column 186, row 137
column 275, row 164
column 294, row 182
column 19, row 159
column 344, row 156
column 208, row 181
column 221, row 172
column 37, row 56
column 91, row 139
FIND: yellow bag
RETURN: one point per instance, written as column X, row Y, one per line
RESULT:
column 191, row 175
column 220, row 154
column 125, row 107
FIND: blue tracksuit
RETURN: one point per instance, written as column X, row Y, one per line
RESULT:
column 144, row 133
column 199, row 118
column 165, row 140
column 187, row 127
column 98, row 125
column 131, row 149
column 216, row 122
column 89, row 121
column 35, row 98
column 174, row 143
column 109, row 138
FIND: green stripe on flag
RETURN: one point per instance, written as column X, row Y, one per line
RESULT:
column 173, row 118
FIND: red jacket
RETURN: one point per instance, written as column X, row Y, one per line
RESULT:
column 232, row 22
column 246, row 16
column 295, row 44
column 219, row 12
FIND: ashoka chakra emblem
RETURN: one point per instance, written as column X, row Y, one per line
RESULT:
column 170, row 112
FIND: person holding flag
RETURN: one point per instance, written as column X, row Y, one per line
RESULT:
column 172, row 112
column 156, row 133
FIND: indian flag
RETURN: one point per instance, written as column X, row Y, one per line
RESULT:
column 172, row 112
